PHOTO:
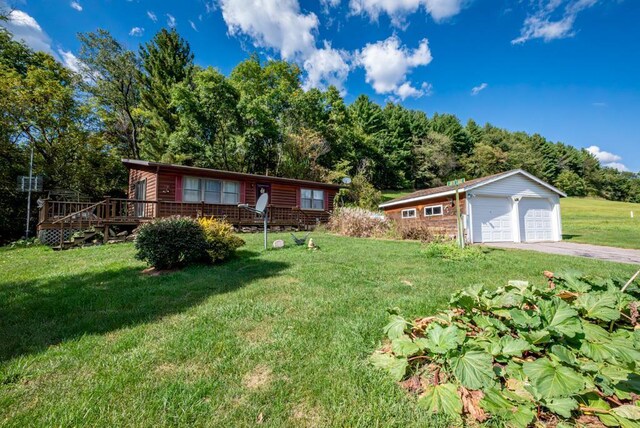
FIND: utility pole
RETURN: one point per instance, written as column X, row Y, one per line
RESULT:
column 459, row 223
column 26, row 234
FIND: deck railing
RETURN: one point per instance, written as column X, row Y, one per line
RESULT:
column 134, row 211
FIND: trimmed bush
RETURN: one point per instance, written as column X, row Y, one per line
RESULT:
column 171, row 242
column 220, row 238
column 359, row 223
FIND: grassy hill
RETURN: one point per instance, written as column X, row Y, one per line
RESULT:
column 597, row 221
column 279, row 337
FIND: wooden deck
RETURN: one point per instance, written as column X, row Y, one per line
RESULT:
column 69, row 215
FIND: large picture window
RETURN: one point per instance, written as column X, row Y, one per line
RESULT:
column 210, row 191
column 312, row 199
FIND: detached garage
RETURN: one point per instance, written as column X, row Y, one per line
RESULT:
column 514, row 206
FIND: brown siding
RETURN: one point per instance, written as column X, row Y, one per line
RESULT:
column 136, row 175
column 285, row 196
column 445, row 222
column 166, row 187
column 250, row 192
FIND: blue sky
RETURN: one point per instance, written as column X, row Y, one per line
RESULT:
column 567, row 69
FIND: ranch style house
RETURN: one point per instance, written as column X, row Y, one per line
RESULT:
column 161, row 190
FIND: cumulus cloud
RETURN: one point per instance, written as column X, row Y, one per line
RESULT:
column 25, row 28
column 280, row 25
column 607, row 159
column 70, row 60
column 387, row 64
column 152, row 16
column 136, row 31
column 326, row 66
column 477, row 89
column 171, row 21
column 75, row 5
column 553, row 19
column 398, row 10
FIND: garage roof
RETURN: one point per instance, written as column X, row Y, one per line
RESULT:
column 425, row 194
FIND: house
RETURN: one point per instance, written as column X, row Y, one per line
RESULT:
column 513, row 206
column 161, row 190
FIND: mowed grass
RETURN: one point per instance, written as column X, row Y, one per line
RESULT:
column 278, row 337
column 602, row 222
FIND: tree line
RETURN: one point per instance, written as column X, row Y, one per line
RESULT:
column 156, row 104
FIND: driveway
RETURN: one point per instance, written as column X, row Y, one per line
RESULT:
column 611, row 254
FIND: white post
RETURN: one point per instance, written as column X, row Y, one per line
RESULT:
column 26, row 233
column 515, row 219
column 265, row 219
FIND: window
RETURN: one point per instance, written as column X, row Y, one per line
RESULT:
column 312, row 199
column 434, row 210
column 210, row 191
column 191, row 189
column 410, row 213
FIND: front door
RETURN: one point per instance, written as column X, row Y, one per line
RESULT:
column 262, row 188
column 140, row 193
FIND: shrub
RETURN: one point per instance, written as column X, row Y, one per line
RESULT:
column 220, row 238
column 451, row 251
column 417, row 230
column 171, row 242
column 360, row 193
column 358, row 222
column 519, row 356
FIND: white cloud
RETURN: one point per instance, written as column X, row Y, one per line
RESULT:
column 25, row 28
column 171, row 21
column 553, row 19
column 75, row 5
column 398, row 10
column 477, row 89
column 70, row 60
column 616, row 165
column 280, row 25
column 326, row 66
column 607, row 159
column 387, row 65
column 193, row 25
column 276, row 24
column 152, row 16
column 599, row 104
column 136, row 31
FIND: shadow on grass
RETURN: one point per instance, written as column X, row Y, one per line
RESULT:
column 570, row 237
column 40, row 313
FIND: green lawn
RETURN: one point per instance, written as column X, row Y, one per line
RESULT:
column 278, row 336
column 388, row 195
column 597, row 221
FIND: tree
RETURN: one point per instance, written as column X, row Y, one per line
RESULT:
column 571, row 183
column 209, row 122
column 434, row 161
column 113, row 73
column 166, row 61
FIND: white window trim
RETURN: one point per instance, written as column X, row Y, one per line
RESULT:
column 415, row 213
column 313, row 190
column 424, row 211
column 201, row 186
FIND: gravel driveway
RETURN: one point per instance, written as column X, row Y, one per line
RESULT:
column 612, row 254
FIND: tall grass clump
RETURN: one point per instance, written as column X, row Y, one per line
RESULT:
column 358, row 222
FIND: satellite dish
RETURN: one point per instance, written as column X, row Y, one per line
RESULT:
column 346, row 180
column 262, row 202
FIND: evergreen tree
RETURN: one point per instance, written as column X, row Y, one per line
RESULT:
column 166, row 61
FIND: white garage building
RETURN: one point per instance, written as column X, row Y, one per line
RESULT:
column 514, row 206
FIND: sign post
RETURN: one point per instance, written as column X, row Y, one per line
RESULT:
column 457, row 183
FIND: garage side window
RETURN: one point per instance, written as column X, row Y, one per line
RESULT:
column 432, row 211
column 409, row 213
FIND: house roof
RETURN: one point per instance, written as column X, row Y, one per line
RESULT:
column 134, row 163
column 435, row 192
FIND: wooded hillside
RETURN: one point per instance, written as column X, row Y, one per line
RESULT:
column 156, row 104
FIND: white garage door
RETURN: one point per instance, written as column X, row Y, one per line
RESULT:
column 536, row 222
column 492, row 220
